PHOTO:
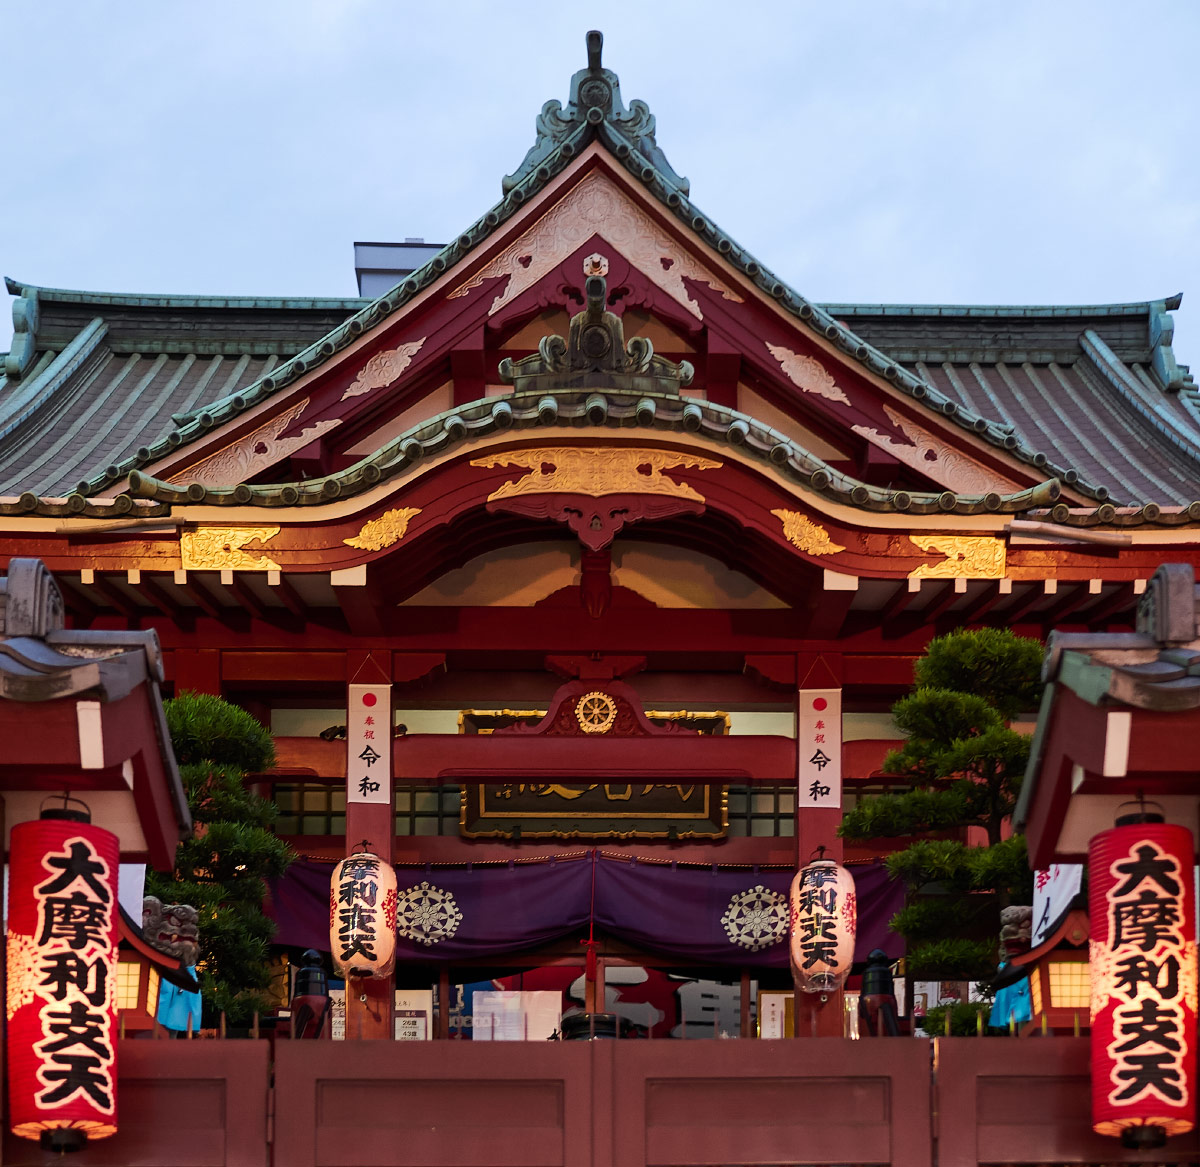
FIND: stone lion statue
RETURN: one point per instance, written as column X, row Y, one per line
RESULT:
column 171, row 928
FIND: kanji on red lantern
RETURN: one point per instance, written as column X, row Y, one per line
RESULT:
column 62, row 953
column 1143, row 958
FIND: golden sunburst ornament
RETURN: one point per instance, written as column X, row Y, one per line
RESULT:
column 595, row 712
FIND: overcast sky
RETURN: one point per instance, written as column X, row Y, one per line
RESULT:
column 903, row 151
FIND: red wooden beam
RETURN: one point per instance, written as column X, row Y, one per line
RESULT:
column 926, row 617
column 898, row 604
column 157, row 595
column 422, row 758
column 829, row 612
column 1121, row 599
column 204, row 599
column 246, row 597
column 115, row 598
column 687, row 635
column 1018, row 610
column 362, row 608
column 80, row 607
column 291, row 598
column 1076, row 598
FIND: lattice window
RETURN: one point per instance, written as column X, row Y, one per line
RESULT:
column 764, row 810
column 427, row 810
column 310, row 808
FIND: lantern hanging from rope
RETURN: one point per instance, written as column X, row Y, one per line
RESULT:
column 362, row 916
column 1143, row 962
column 824, row 920
column 62, row 979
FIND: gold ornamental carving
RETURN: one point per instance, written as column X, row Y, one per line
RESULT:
column 800, row 531
column 223, row 548
column 390, row 527
column 595, row 712
column 593, row 206
column 808, row 374
column 596, row 471
column 967, row 557
column 383, row 368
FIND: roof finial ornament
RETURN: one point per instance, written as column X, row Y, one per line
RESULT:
column 594, row 110
column 595, row 355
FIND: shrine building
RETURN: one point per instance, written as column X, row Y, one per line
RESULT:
column 576, row 574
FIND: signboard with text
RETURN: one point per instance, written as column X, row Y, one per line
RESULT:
column 819, row 747
column 619, row 809
column 369, row 744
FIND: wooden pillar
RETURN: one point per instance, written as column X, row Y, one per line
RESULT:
column 443, row 1012
column 370, row 1001
column 818, row 1014
column 4, row 990
column 816, row 826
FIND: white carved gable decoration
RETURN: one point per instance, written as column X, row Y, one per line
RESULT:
column 932, row 456
column 808, row 374
column 597, row 206
column 254, row 452
column 383, row 368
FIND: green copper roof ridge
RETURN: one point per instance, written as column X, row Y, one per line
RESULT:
column 672, row 192
column 984, row 311
column 31, row 505
column 31, row 395
column 1110, row 368
column 717, row 425
column 1108, row 515
column 173, row 299
column 178, row 300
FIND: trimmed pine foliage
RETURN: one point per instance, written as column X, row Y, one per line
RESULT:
column 966, row 765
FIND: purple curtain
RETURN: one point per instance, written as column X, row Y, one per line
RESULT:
column 701, row 915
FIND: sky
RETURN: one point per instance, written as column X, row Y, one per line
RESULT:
column 897, row 151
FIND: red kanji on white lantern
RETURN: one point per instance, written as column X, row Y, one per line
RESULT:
column 824, row 921
column 62, row 980
column 362, row 916
column 1143, row 960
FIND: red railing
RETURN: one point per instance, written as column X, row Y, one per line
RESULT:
column 903, row 1102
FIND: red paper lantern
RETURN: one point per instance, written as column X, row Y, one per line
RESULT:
column 824, row 920
column 362, row 916
column 62, row 980
column 1143, row 959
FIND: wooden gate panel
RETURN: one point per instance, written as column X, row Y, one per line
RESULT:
column 825, row 1100
column 180, row 1104
column 1027, row 1101
column 433, row 1104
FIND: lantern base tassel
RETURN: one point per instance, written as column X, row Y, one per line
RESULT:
column 62, row 1139
column 1144, row 1137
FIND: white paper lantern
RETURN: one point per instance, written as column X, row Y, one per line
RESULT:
column 362, row 916
column 823, row 923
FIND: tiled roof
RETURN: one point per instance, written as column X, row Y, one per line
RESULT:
column 1027, row 380
column 1073, row 410
column 100, row 401
column 111, row 374
column 613, row 408
column 596, row 113
column 1156, row 667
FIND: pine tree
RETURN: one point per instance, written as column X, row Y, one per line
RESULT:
column 221, row 869
column 966, row 767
